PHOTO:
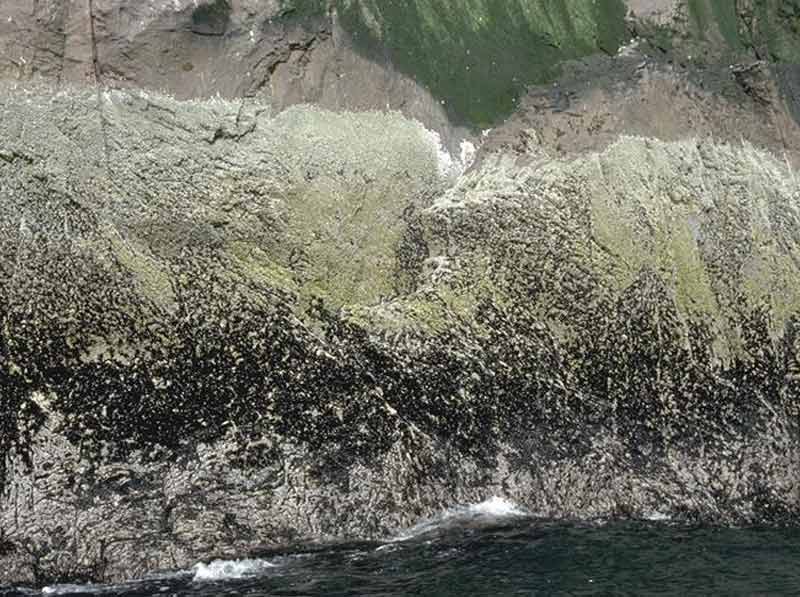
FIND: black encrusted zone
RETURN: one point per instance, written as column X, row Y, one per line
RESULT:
column 126, row 375
column 233, row 353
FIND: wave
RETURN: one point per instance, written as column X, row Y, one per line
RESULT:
column 657, row 516
column 216, row 570
column 488, row 512
column 87, row 589
column 158, row 578
column 66, row 589
column 229, row 569
column 491, row 511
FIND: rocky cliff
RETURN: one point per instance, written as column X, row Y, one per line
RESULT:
column 274, row 271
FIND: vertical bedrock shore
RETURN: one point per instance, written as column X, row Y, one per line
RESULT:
column 229, row 320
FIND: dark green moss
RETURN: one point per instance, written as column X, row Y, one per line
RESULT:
column 303, row 8
column 479, row 62
column 611, row 28
column 211, row 18
column 698, row 13
column 727, row 20
column 718, row 16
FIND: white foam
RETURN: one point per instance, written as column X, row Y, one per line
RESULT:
column 60, row 589
column 450, row 167
column 657, row 516
column 229, row 569
column 68, row 589
column 100, row 589
column 497, row 507
column 468, row 152
column 488, row 512
column 444, row 161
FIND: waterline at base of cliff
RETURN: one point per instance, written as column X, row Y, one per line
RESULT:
column 496, row 550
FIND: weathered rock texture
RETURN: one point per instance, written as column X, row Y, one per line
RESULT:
column 230, row 323
column 261, row 49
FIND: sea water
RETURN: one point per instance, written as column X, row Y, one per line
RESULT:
column 495, row 549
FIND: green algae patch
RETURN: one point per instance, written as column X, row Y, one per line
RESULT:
column 432, row 311
column 693, row 289
column 260, row 267
column 478, row 56
column 671, row 250
column 708, row 221
column 428, row 313
column 348, row 242
column 153, row 279
column 770, row 278
column 662, row 207
column 353, row 179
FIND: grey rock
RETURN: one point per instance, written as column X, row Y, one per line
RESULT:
column 231, row 49
column 230, row 322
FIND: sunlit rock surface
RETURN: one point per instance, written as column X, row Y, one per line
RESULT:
column 232, row 319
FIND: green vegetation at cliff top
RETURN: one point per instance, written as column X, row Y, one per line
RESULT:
column 719, row 16
column 478, row 56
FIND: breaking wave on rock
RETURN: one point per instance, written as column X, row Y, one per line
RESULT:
column 202, row 572
column 486, row 513
column 492, row 511
column 230, row 569
column 70, row 589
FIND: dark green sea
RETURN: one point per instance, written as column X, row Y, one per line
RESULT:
column 493, row 549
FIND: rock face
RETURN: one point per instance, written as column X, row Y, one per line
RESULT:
column 230, row 321
column 266, row 50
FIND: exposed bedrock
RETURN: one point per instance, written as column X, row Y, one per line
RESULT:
column 230, row 322
column 225, row 328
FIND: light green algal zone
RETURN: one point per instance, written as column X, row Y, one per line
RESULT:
column 477, row 56
column 354, row 177
column 308, row 202
column 710, row 219
column 713, row 222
